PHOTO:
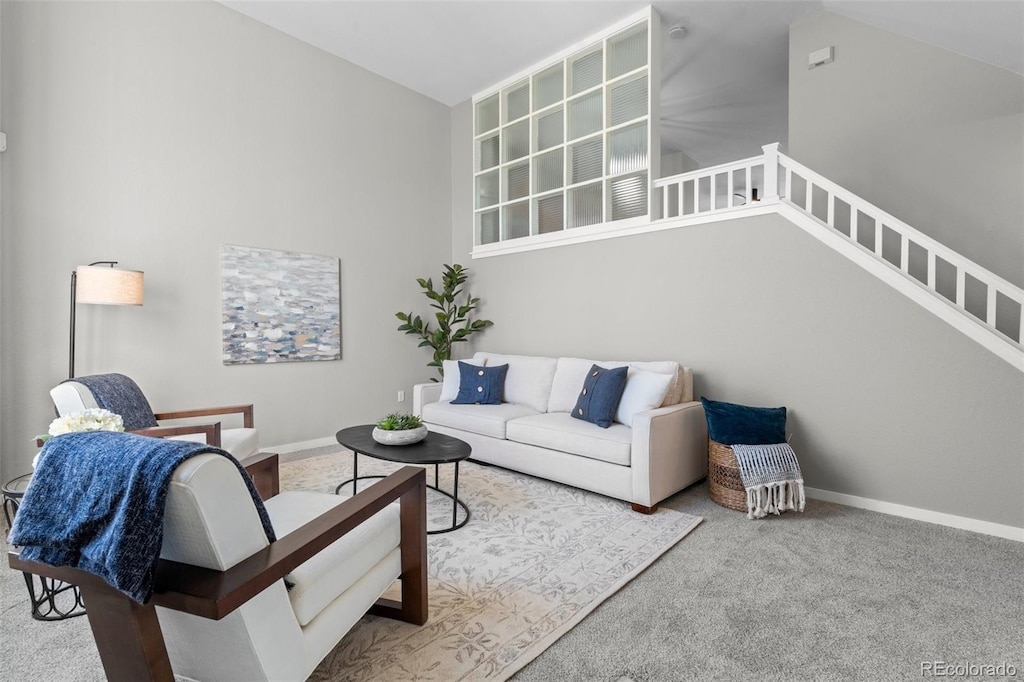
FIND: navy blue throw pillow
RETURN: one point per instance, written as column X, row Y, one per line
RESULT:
column 480, row 385
column 731, row 424
column 600, row 396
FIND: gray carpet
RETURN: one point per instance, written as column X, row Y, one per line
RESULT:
column 833, row 593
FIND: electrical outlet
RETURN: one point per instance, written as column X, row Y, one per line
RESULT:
column 401, row 396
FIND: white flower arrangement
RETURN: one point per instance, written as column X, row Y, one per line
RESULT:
column 91, row 419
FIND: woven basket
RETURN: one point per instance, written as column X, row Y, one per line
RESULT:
column 724, row 477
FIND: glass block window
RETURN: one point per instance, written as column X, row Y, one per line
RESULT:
column 548, row 171
column 517, row 102
column 568, row 145
column 627, row 51
column 550, row 214
column 487, row 114
column 548, row 87
column 627, row 100
column 550, row 130
column 586, row 161
column 627, row 149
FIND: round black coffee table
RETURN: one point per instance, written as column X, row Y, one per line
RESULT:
column 435, row 449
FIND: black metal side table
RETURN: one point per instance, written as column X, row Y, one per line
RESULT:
column 51, row 599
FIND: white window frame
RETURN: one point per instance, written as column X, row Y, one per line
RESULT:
column 598, row 230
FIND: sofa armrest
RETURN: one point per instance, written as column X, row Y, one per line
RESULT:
column 424, row 394
column 669, row 451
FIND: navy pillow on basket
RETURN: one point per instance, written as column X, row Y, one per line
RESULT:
column 480, row 385
column 732, row 424
column 600, row 396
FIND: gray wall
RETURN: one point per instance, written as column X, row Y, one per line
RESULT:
column 154, row 133
column 932, row 137
column 886, row 401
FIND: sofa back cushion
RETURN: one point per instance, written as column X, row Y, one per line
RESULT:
column 528, row 381
column 572, row 372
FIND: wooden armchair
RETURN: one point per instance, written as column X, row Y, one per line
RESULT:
column 242, row 442
column 75, row 395
column 220, row 609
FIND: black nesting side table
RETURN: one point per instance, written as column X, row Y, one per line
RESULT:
column 51, row 599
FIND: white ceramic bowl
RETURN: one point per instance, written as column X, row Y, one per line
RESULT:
column 404, row 437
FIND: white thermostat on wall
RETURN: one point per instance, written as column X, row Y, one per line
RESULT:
column 3, row 142
column 825, row 55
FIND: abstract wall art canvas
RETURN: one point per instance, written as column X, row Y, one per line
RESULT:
column 279, row 306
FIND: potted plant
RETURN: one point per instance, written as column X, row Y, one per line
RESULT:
column 399, row 429
column 449, row 316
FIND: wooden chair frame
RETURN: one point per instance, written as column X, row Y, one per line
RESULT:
column 128, row 635
column 211, row 431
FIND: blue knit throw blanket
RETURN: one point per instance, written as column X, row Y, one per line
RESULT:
column 772, row 478
column 96, row 502
column 120, row 395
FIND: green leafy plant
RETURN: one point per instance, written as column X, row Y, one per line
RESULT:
column 399, row 422
column 454, row 324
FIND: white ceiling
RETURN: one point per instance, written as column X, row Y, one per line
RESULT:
column 724, row 86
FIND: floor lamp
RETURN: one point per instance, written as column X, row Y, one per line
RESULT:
column 101, row 283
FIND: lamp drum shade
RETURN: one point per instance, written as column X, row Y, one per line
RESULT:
column 104, row 285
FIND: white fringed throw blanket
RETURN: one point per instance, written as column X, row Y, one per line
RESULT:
column 772, row 477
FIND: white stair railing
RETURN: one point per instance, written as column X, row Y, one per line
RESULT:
column 711, row 189
column 980, row 300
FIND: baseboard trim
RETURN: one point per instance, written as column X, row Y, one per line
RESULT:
column 962, row 522
column 303, row 445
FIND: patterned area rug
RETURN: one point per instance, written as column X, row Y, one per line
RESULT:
column 535, row 558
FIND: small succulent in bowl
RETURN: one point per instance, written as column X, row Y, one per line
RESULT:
column 399, row 422
column 399, row 429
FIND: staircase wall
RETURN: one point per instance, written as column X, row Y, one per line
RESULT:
column 934, row 138
column 886, row 401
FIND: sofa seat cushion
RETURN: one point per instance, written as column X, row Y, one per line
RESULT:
column 319, row 581
column 559, row 431
column 486, row 420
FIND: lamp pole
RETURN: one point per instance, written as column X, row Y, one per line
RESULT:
column 74, row 289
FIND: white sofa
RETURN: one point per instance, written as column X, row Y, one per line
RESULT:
column 662, row 450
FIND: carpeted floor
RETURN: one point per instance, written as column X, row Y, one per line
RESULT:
column 834, row 593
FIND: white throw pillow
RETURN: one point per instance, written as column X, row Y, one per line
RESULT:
column 675, row 388
column 644, row 391
column 452, row 377
column 528, row 381
column 568, row 381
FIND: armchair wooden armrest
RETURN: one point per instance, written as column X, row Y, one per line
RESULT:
column 244, row 410
column 210, row 431
column 128, row 634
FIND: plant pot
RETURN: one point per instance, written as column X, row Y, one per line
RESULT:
column 404, row 437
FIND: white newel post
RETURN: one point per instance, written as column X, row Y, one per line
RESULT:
column 771, row 170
